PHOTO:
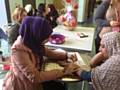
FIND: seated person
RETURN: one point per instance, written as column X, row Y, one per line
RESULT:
column 52, row 15
column 18, row 14
column 27, row 57
column 106, row 76
column 100, row 21
column 49, row 13
column 42, row 10
column 30, row 10
column 107, row 19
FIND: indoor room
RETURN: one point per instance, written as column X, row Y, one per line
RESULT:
column 59, row 44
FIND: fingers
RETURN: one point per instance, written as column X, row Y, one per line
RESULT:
column 71, row 68
column 71, row 57
column 76, row 69
column 114, row 23
column 63, row 63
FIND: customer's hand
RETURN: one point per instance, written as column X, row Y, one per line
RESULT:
column 71, row 57
column 71, row 68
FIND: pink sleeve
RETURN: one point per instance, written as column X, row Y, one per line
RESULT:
column 24, row 63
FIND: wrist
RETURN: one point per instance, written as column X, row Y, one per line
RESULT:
column 79, row 72
column 86, row 75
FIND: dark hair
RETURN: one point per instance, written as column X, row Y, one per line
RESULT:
column 41, row 9
column 52, row 7
column 54, row 14
column 30, row 13
column 34, row 30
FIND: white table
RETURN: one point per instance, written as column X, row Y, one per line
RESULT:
column 73, row 41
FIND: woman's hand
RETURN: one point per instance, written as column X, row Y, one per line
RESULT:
column 114, row 23
column 71, row 68
column 71, row 57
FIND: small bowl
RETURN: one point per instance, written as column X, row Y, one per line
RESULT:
column 57, row 39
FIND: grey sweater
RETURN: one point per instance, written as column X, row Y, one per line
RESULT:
column 99, row 17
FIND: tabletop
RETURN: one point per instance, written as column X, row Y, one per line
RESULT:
column 73, row 41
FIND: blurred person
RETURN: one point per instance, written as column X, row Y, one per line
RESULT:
column 107, row 19
column 43, row 10
column 27, row 57
column 18, row 14
column 106, row 75
column 49, row 13
column 30, row 10
column 100, row 21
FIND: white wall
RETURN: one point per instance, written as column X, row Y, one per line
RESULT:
column 49, row 1
column 82, row 10
column 3, row 14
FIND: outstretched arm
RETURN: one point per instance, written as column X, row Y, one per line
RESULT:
column 97, row 60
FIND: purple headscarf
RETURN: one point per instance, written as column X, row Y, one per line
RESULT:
column 34, row 30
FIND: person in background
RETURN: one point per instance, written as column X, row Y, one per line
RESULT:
column 113, row 15
column 52, row 15
column 35, row 12
column 49, row 13
column 111, row 18
column 3, row 35
column 100, row 21
column 29, row 9
column 42, row 10
column 18, row 14
column 27, row 57
column 106, row 76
